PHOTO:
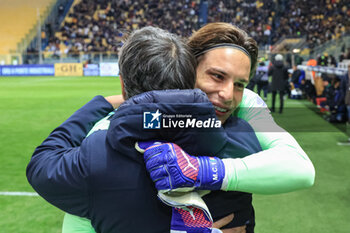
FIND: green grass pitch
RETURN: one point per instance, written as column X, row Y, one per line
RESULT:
column 31, row 107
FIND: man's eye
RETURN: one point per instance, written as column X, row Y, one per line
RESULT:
column 239, row 85
column 218, row 76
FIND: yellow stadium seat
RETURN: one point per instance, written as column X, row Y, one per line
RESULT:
column 21, row 17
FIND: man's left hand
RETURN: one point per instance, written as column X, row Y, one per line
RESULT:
column 171, row 168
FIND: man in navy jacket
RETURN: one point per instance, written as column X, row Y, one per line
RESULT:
column 105, row 179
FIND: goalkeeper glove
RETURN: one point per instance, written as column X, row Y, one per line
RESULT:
column 190, row 220
column 171, row 168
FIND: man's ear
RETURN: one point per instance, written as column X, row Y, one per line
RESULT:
column 122, row 85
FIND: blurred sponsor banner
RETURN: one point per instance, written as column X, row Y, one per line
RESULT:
column 68, row 69
column 91, row 70
column 324, row 69
column 109, row 69
column 27, row 70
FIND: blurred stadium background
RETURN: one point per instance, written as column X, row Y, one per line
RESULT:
column 55, row 55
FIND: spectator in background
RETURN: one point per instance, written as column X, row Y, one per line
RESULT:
column 346, row 89
column 296, row 76
column 310, row 90
column 60, row 10
column 322, row 101
column 326, row 60
column 332, row 99
column 252, row 83
column 279, row 75
column 347, row 94
column 347, row 103
column 297, row 83
column 336, row 104
column 347, row 54
column 262, row 79
column 342, row 55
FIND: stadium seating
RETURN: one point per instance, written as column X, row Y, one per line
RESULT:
column 266, row 21
column 18, row 19
column 98, row 26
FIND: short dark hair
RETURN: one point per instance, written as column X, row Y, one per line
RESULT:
column 220, row 33
column 154, row 59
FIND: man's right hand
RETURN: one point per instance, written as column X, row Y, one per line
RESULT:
column 115, row 100
column 226, row 220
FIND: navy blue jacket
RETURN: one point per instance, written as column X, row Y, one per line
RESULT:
column 104, row 179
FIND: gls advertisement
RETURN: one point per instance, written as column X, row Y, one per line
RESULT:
column 157, row 120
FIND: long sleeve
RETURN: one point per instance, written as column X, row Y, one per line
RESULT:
column 281, row 167
column 59, row 167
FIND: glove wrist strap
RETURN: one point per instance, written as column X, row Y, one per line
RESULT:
column 211, row 174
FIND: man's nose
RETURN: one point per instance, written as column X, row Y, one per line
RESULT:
column 227, row 91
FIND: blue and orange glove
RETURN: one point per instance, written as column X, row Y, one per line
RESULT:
column 171, row 168
column 190, row 220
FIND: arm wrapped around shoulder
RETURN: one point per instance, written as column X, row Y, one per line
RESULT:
column 273, row 171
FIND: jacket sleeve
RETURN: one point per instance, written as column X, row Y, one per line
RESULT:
column 59, row 167
column 281, row 167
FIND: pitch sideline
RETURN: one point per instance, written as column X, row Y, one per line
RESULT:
column 19, row 194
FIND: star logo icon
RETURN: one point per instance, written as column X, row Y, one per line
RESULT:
column 151, row 120
column 156, row 115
